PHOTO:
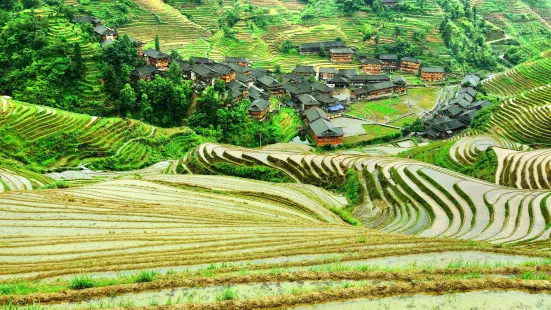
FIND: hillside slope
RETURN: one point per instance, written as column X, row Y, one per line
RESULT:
column 401, row 195
column 50, row 137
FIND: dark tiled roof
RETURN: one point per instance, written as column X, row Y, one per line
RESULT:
column 341, row 50
column 379, row 86
column 153, row 53
column 268, row 81
column 321, row 87
column 145, row 70
column 388, row 57
column 399, row 80
column 347, row 72
column 361, row 91
column 86, row 19
column 104, row 31
column 450, row 125
column 324, row 128
column 314, row 114
column 468, row 90
column 304, row 69
column 410, row 59
column 328, row 70
column 324, row 98
column 186, row 66
column 433, row 69
column 338, row 80
column 467, row 116
column 372, row 77
column 372, row 61
column 205, row 71
column 236, row 59
column 258, row 105
column 308, row 100
column 221, row 68
column 255, row 93
column 107, row 42
column 464, row 96
column 470, row 80
column 452, row 110
column 326, row 45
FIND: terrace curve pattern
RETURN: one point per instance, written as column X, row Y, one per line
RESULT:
column 129, row 142
column 406, row 196
column 524, row 118
column 466, row 150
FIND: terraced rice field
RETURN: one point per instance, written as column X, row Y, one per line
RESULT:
column 467, row 149
column 528, row 170
column 128, row 141
column 407, row 196
column 214, row 242
column 150, row 17
column 520, row 79
column 525, row 118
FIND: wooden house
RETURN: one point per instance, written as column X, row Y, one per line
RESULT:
column 400, row 85
column 226, row 73
column 307, row 101
column 372, row 66
column 237, row 60
column 139, row 46
column 361, row 80
column 380, row 90
column 390, row 62
column 259, row 109
column 106, row 33
column 270, row 85
column 321, row 129
column 327, row 73
column 410, row 64
column 314, row 48
column 87, row 19
column 338, row 82
column 145, row 73
column 156, row 58
column 205, row 74
column 429, row 74
column 322, row 88
column 341, row 55
column 304, row 71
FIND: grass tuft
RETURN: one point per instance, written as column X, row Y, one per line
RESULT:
column 227, row 294
column 81, row 282
column 145, row 276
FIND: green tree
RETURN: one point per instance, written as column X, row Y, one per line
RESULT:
column 219, row 86
column 77, row 59
column 175, row 55
column 127, row 100
column 377, row 6
column 322, row 52
column 277, row 68
column 175, row 73
column 157, row 42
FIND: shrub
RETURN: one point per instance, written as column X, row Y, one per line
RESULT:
column 352, row 188
column 346, row 216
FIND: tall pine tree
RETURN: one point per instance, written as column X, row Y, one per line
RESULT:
column 157, row 42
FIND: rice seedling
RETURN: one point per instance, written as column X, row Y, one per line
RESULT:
column 227, row 294
column 81, row 281
column 145, row 276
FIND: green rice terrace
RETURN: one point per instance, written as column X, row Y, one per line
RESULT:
column 171, row 189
